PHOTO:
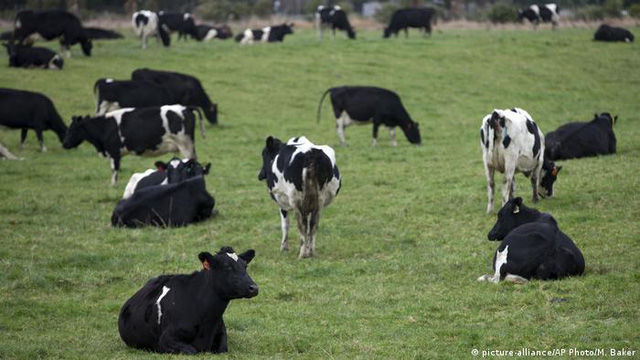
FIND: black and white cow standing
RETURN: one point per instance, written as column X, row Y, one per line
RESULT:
column 28, row 56
column 541, row 13
column 171, row 172
column 582, row 139
column 52, row 24
column 303, row 178
column 613, row 34
column 511, row 141
column 183, row 313
column 533, row 247
column 266, row 34
column 28, row 110
column 183, row 23
column 206, row 32
column 147, row 131
column 410, row 17
column 335, row 18
column 147, row 23
column 368, row 104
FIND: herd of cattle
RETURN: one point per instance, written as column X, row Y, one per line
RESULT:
column 156, row 112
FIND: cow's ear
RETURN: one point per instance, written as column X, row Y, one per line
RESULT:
column 206, row 259
column 557, row 169
column 161, row 166
column 207, row 167
column 615, row 120
column 517, row 202
column 270, row 142
column 248, row 255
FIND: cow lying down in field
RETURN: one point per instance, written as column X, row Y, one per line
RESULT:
column 171, row 172
column 533, row 247
column 183, row 313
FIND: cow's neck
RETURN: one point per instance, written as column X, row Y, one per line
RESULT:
column 211, row 299
column 95, row 132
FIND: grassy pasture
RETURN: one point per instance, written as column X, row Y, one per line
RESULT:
column 401, row 246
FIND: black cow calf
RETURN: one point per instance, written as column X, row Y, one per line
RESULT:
column 610, row 33
column 29, row 110
column 185, row 89
column 364, row 104
column 335, row 18
column 582, row 139
column 409, row 17
column 52, row 24
column 267, row 34
column 171, row 172
column 181, row 22
column 533, row 247
column 183, row 313
column 170, row 205
column 27, row 56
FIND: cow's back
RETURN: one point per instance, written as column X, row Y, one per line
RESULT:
column 19, row 107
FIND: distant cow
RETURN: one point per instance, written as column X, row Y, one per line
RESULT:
column 185, row 89
column 610, row 33
column 541, row 13
column 533, row 247
column 170, row 205
column 365, row 104
column 335, row 18
column 208, row 32
column 511, row 141
column 171, row 172
column 147, row 131
column 267, row 34
column 147, row 23
column 96, row 33
column 410, row 17
column 183, row 313
column 28, row 56
column 52, row 24
column 303, row 178
column 183, row 23
column 29, row 110
column 582, row 139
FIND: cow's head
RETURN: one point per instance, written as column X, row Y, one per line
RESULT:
column 412, row 132
column 548, row 175
column 76, row 133
column 512, row 215
column 611, row 120
column 229, row 273
column 270, row 151
column 87, row 45
column 387, row 32
column 178, row 170
column 211, row 113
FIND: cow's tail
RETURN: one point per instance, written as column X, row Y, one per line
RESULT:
column 199, row 112
column 312, row 169
column 320, row 104
column 96, row 93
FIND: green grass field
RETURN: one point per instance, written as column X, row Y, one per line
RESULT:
column 400, row 248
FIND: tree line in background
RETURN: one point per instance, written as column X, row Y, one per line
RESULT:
column 496, row 11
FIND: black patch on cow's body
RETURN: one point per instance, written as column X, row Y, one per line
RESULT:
column 533, row 129
column 506, row 141
column 175, row 122
column 410, row 17
column 502, row 122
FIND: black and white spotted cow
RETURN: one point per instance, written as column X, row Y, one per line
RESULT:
column 303, row 178
column 541, row 13
column 266, row 34
column 511, row 141
column 183, row 313
column 403, row 19
column 582, row 139
column 52, row 24
column 209, row 32
column 171, row 172
column 28, row 56
column 28, row 110
column 112, row 95
column 335, row 18
column 183, row 23
column 611, row 33
column 149, row 131
column 170, row 205
column 367, row 104
column 185, row 89
column 533, row 247
column 147, row 23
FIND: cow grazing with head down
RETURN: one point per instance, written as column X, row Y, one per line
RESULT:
column 368, row 104
column 28, row 110
column 582, row 139
column 147, row 131
column 533, row 247
column 403, row 19
column 511, row 141
column 171, row 172
column 52, row 24
column 147, row 23
column 28, row 56
column 183, row 313
column 303, row 178
column 611, row 33
column 335, row 18
column 267, row 34
column 183, row 23
column 209, row 32
column 541, row 13
column 185, row 89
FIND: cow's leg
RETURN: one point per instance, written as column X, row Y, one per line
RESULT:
column 219, row 344
column 392, row 133
column 177, row 341
column 489, row 173
column 143, row 40
column 23, row 137
column 333, row 33
column 535, row 183
column 376, row 125
column 302, row 227
column 515, row 279
column 507, row 183
column 341, row 123
column 115, row 167
column 284, row 224
column 40, row 139
column 312, row 228
column 406, row 32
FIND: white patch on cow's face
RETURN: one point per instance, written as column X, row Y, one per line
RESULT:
column 165, row 290
column 233, row 256
column 501, row 259
column 175, row 163
column 108, row 81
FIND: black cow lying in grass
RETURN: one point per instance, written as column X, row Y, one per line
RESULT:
column 171, row 172
column 29, row 110
column 365, row 104
column 610, row 33
column 52, row 24
column 580, row 139
column 28, row 56
column 533, row 247
column 403, row 19
column 183, row 313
